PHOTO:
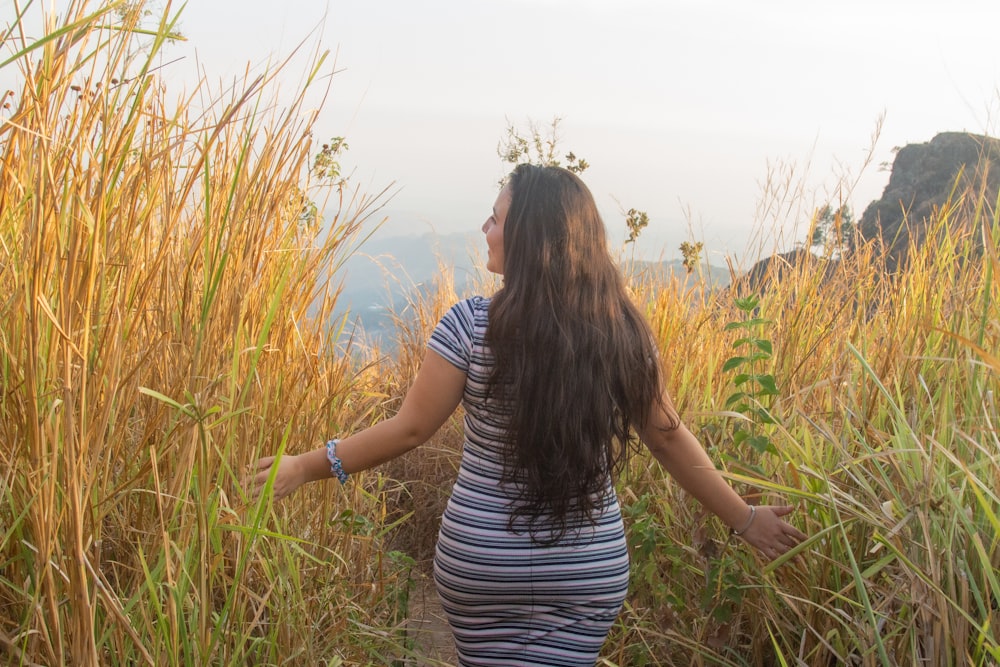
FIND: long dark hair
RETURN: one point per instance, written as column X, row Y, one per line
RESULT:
column 576, row 366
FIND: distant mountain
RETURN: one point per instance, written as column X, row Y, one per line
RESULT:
column 388, row 267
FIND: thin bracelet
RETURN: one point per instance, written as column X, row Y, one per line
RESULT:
column 336, row 466
column 753, row 513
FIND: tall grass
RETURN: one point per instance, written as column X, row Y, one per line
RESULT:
column 885, row 440
column 164, row 324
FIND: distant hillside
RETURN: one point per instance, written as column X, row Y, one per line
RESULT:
column 715, row 277
column 385, row 271
column 772, row 269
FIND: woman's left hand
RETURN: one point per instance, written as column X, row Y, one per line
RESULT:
column 770, row 534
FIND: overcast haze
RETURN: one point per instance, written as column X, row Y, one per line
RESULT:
column 680, row 106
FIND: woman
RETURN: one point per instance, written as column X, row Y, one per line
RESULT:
column 555, row 372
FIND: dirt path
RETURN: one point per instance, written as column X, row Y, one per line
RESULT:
column 428, row 628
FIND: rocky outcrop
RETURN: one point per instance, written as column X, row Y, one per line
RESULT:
column 952, row 168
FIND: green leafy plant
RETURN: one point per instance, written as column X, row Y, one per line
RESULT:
column 755, row 388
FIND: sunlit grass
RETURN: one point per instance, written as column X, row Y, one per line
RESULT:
column 166, row 322
column 164, row 326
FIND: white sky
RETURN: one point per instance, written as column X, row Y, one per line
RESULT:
column 679, row 105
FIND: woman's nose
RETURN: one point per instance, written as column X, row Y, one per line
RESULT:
column 485, row 226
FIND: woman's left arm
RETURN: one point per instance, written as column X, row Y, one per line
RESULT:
column 680, row 453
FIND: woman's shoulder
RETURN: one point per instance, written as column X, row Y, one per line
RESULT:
column 481, row 302
column 468, row 314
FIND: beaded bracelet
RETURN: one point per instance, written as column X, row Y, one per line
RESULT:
column 753, row 513
column 336, row 467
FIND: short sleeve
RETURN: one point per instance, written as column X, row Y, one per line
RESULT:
column 452, row 337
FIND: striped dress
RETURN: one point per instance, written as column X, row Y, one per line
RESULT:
column 508, row 599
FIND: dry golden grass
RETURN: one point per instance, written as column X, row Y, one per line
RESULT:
column 166, row 321
column 165, row 324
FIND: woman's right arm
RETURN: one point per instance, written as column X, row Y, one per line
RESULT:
column 433, row 397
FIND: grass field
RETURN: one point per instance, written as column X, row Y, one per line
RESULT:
column 166, row 322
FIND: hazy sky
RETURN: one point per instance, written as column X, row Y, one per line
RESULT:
column 683, row 107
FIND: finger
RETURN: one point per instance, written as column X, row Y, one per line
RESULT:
column 265, row 462
column 260, row 481
column 248, row 480
column 794, row 532
column 789, row 542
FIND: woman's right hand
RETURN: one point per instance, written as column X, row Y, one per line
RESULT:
column 288, row 477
